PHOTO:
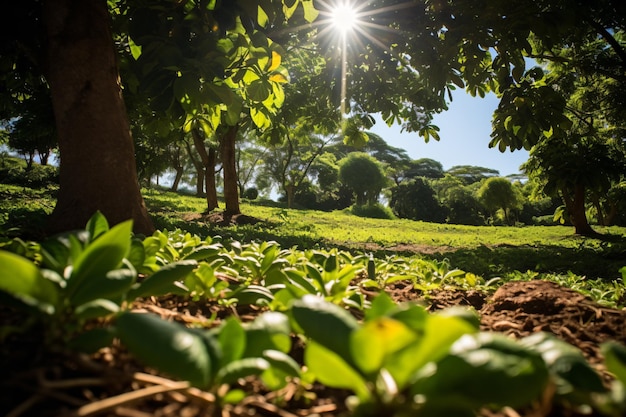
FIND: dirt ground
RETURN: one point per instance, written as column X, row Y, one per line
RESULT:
column 111, row 383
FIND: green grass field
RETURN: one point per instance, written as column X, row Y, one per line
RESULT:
column 488, row 251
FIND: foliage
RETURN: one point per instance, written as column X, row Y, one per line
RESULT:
column 363, row 175
column 373, row 211
column 415, row 200
column 37, row 176
column 498, row 193
column 398, row 359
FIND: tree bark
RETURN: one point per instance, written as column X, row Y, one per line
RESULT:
column 575, row 205
column 208, row 162
column 199, row 170
column 227, row 153
column 97, row 170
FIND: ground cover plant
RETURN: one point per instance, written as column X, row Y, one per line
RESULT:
column 206, row 324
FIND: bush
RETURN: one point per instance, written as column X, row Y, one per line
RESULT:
column 251, row 193
column 373, row 211
column 14, row 171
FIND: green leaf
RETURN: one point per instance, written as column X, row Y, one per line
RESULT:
column 23, row 280
column 516, row 376
column 232, row 338
column 439, row 333
column 269, row 331
column 615, row 359
column 96, row 308
column 566, row 362
column 168, row 347
column 101, row 256
column 253, row 295
column 381, row 305
column 310, row 12
column 92, row 340
column 113, row 284
column 331, row 370
column 241, row 368
column 161, row 282
column 97, row 226
column 327, row 324
column 377, row 340
column 282, row 367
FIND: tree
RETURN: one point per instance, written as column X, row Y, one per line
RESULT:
column 31, row 131
column 498, row 193
column 79, row 64
column 364, row 175
column 415, row 199
column 471, row 174
column 97, row 170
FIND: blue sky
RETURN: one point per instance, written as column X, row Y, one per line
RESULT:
column 465, row 130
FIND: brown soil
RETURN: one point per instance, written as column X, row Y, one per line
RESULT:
column 111, row 383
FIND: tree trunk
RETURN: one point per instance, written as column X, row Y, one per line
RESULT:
column 227, row 151
column 97, row 170
column 199, row 171
column 208, row 162
column 290, row 190
column 575, row 205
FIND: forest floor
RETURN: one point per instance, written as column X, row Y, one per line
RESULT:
column 36, row 382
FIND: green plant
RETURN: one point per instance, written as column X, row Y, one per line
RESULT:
column 402, row 360
column 77, row 277
column 213, row 359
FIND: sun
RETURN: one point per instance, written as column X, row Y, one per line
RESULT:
column 344, row 17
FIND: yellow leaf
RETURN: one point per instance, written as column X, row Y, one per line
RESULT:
column 278, row 78
column 276, row 60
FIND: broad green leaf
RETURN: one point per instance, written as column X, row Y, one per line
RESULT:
column 101, row 256
column 166, row 346
column 381, row 305
column 97, row 226
column 378, row 339
column 232, row 338
column 331, row 370
column 22, row 279
column 566, row 362
column 282, row 366
column 439, row 333
column 269, row 331
column 515, row 375
column 114, row 283
column 161, row 282
column 327, row 324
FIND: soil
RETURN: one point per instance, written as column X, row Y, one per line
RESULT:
column 37, row 382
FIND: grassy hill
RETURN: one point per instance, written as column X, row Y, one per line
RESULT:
column 489, row 251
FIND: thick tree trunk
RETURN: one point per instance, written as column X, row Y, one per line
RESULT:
column 208, row 163
column 227, row 153
column 97, row 170
column 575, row 205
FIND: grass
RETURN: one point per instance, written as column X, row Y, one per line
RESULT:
column 489, row 251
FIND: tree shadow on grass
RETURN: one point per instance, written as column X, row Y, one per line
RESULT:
column 602, row 262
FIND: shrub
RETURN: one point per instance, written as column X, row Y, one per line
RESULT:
column 14, row 171
column 251, row 193
column 373, row 211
